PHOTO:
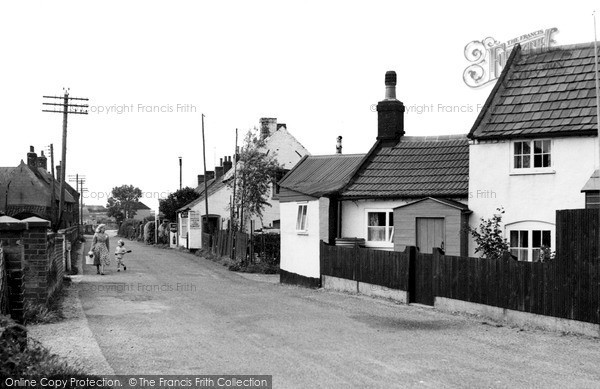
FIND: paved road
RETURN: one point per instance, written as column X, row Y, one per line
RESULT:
column 174, row 313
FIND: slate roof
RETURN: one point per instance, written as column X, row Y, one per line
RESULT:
column 415, row 167
column 212, row 185
column 543, row 93
column 319, row 175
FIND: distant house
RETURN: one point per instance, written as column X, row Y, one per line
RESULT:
column 534, row 146
column 142, row 211
column 278, row 141
column 406, row 191
column 27, row 190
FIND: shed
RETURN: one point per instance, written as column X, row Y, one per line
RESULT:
column 432, row 222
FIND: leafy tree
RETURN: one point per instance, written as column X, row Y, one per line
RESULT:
column 176, row 200
column 256, row 170
column 489, row 238
column 121, row 204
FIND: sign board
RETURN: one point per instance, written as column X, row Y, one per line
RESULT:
column 194, row 220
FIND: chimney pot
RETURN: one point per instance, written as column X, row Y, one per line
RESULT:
column 268, row 126
column 338, row 147
column 227, row 164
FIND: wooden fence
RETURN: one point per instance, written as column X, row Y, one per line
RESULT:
column 385, row 268
column 243, row 247
column 4, row 291
column 567, row 286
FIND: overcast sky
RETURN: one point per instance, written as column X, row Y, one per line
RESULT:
column 316, row 66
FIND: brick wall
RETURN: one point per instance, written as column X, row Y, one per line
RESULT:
column 14, row 259
column 56, row 263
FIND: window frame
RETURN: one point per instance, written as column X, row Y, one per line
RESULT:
column 531, row 157
column 389, row 233
column 531, row 252
column 299, row 206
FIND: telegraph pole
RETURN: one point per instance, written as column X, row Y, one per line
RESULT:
column 52, row 194
column 205, row 180
column 67, row 108
column 79, row 180
column 180, row 175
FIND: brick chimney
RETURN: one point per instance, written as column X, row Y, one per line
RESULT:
column 31, row 157
column 58, row 172
column 338, row 146
column 200, row 179
column 390, row 114
column 42, row 161
column 268, row 126
column 227, row 164
column 210, row 174
column 219, row 169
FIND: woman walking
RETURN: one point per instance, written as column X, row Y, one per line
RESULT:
column 100, row 247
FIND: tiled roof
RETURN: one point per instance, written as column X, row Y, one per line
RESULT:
column 321, row 174
column 541, row 94
column 415, row 167
column 213, row 187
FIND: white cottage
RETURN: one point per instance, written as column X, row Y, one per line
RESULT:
column 279, row 142
column 534, row 146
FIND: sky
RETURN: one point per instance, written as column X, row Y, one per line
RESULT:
column 151, row 69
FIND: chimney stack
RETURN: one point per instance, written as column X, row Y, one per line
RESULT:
column 42, row 161
column 58, row 172
column 338, row 146
column 31, row 157
column 210, row 174
column 227, row 164
column 219, row 170
column 200, row 179
column 268, row 126
column 390, row 114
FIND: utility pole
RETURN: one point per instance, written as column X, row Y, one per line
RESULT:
column 79, row 180
column 52, row 194
column 205, row 180
column 180, row 175
column 67, row 108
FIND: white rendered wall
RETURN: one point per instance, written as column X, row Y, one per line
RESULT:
column 300, row 251
column 531, row 199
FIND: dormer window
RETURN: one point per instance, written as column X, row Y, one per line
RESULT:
column 532, row 156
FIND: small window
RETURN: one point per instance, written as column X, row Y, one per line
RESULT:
column 380, row 226
column 301, row 224
column 532, row 154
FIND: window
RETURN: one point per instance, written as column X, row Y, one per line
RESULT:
column 380, row 226
column 526, row 244
column 301, row 225
column 532, row 154
column 278, row 176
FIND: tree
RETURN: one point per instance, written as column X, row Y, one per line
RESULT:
column 256, row 170
column 176, row 200
column 121, row 204
column 489, row 237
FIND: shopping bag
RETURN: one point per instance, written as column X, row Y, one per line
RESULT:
column 89, row 258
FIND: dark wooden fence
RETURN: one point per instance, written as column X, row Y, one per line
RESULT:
column 4, row 309
column 243, row 247
column 385, row 268
column 567, row 286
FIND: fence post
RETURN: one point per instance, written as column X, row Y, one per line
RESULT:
column 412, row 272
column 438, row 257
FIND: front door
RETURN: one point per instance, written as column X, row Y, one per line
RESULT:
column 430, row 233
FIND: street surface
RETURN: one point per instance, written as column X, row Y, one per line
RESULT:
column 174, row 313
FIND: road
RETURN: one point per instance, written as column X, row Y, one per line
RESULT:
column 175, row 313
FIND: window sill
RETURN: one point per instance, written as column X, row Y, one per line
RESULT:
column 302, row 232
column 528, row 172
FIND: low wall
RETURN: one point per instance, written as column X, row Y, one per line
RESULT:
column 350, row 286
column 518, row 318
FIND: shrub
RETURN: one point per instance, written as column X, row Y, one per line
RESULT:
column 489, row 237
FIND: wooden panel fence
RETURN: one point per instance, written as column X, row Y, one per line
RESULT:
column 567, row 286
column 240, row 246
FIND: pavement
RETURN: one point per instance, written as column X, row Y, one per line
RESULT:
column 175, row 313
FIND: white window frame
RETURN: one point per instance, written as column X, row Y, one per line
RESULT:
column 389, row 233
column 529, row 250
column 302, row 229
column 531, row 169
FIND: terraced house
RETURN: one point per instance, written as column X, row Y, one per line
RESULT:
column 534, row 146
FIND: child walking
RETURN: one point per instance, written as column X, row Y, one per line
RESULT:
column 120, row 252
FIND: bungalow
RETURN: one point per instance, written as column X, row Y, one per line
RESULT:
column 278, row 141
column 534, row 145
column 406, row 191
column 28, row 190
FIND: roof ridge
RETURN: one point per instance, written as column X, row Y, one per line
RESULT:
column 572, row 46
